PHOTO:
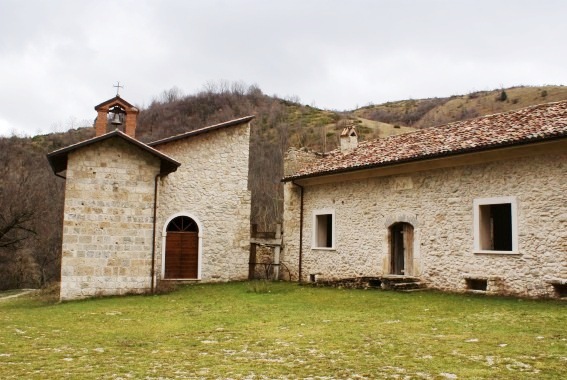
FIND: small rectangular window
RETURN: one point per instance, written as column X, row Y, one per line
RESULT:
column 495, row 228
column 324, row 229
column 477, row 284
column 560, row 290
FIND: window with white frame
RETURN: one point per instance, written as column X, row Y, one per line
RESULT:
column 495, row 225
column 323, row 229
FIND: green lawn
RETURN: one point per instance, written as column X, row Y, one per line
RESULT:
column 231, row 331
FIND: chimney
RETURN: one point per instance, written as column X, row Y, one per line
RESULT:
column 124, row 116
column 349, row 139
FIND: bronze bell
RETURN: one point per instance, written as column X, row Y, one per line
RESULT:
column 116, row 120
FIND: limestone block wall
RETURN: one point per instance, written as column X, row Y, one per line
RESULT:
column 107, row 232
column 291, row 231
column 211, row 187
column 439, row 205
column 297, row 158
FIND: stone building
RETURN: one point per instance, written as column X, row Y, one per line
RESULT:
column 135, row 214
column 478, row 205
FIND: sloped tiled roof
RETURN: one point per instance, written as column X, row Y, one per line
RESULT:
column 527, row 125
column 58, row 158
column 115, row 100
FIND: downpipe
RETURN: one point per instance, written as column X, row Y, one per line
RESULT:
column 152, row 274
column 301, row 189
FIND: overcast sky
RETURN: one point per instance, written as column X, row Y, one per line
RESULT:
column 58, row 58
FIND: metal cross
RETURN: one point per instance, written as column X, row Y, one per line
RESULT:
column 118, row 87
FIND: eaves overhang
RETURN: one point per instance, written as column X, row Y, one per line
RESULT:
column 116, row 100
column 439, row 160
column 58, row 158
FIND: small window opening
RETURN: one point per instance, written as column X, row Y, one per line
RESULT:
column 375, row 283
column 324, row 230
column 477, row 284
column 496, row 227
column 313, row 277
column 560, row 290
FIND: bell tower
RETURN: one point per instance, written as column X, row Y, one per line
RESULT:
column 120, row 113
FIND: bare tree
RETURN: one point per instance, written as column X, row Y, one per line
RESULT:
column 30, row 212
column 16, row 212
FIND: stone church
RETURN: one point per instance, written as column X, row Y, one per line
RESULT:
column 134, row 213
column 472, row 206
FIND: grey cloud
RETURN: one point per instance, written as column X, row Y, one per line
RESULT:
column 59, row 58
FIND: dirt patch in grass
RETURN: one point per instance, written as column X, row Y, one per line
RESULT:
column 9, row 294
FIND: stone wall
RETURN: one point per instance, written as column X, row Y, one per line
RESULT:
column 439, row 206
column 297, row 158
column 291, row 231
column 107, row 232
column 211, row 187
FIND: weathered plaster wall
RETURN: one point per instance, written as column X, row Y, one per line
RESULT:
column 211, row 185
column 107, row 233
column 439, row 205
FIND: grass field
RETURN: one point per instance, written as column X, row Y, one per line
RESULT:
column 284, row 331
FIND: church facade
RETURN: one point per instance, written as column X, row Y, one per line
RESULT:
column 135, row 214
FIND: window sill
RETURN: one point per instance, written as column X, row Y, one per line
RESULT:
column 488, row 252
column 323, row 249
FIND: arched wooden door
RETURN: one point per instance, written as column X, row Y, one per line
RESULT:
column 182, row 249
column 401, row 248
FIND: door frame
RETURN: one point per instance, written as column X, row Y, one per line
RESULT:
column 401, row 246
column 199, row 244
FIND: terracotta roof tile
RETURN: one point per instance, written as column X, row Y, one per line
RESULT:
column 532, row 124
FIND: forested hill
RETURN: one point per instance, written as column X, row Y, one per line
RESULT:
column 31, row 196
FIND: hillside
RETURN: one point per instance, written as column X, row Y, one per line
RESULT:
column 423, row 113
column 31, row 196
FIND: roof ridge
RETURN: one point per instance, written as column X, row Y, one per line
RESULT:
column 208, row 128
